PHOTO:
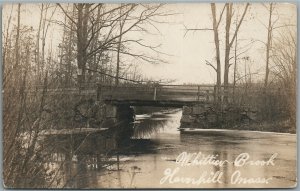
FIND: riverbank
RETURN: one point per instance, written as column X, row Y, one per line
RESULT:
column 280, row 127
column 276, row 126
column 235, row 118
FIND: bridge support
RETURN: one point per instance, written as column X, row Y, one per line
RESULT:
column 119, row 119
column 115, row 114
column 203, row 116
column 210, row 116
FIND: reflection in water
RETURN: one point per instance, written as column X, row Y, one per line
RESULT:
column 93, row 161
column 147, row 125
column 74, row 156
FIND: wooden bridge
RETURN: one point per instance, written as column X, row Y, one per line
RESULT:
column 157, row 95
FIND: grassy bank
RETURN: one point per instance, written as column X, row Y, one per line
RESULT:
column 278, row 126
column 267, row 126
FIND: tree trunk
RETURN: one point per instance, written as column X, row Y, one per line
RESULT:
column 227, row 49
column 118, row 61
column 43, row 43
column 37, row 55
column 119, row 49
column 17, row 38
column 16, row 69
column 5, row 47
column 82, row 34
column 268, row 47
column 235, row 68
column 217, row 44
column 69, row 50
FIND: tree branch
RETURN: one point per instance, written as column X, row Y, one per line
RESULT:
column 220, row 18
column 240, row 22
column 210, row 64
column 66, row 13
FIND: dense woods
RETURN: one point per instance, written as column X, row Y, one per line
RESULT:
column 94, row 43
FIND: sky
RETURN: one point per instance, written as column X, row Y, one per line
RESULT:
column 187, row 52
column 192, row 49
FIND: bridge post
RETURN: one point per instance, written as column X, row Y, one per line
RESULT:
column 99, row 97
column 207, row 95
column 154, row 96
column 215, row 93
column 198, row 93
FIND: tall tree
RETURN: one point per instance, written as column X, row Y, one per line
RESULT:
column 268, row 45
column 17, row 55
column 215, row 29
column 82, row 38
column 217, row 45
column 122, row 22
column 37, row 52
column 108, row 25
column 229, row 41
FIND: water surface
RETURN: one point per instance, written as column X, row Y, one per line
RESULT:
column 157, row 143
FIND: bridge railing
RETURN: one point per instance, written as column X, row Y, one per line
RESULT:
column 147, row 92
column 158, row 92
column 200, row 93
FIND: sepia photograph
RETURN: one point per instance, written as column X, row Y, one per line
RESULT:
column 149, row 95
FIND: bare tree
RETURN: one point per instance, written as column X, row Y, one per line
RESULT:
column 269, row 44
column 229, row 41
column 121, row 26
column 17, row 55
column 217, row 45
column 215, row 29
column 111, row 21
column 284, row 57
column 37, row 55
column 6, row 39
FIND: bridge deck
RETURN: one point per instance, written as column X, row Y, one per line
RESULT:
column 154, row 95
column 167, row 95
column 155, row 103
